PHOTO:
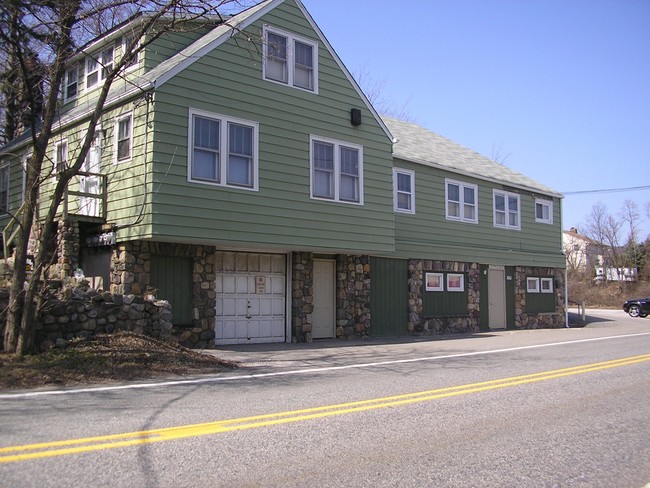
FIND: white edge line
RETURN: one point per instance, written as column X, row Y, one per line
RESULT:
column 219, row 379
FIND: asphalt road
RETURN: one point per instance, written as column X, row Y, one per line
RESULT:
column 536, row 408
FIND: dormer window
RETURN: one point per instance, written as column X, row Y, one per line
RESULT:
column 71, row 84
column 128, row 43
column 290, row 60
column 97, row 68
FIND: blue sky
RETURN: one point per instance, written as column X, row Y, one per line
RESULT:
column 556, row 89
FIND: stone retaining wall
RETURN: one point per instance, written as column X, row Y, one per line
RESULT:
column 80, row 311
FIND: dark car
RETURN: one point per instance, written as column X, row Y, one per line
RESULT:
column 637, row 308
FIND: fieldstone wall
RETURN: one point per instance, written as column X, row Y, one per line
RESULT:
column 80, row 311
column 302, row 296
column 131, row 274
column 352, row 297
column 67, row 246
column 525, row 320
column 418, row 324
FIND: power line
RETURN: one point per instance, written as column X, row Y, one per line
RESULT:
column 606, row 190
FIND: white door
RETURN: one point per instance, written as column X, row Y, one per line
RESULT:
column 497, row 298
column 324, row 314
column 251, row 299
column 89, row 205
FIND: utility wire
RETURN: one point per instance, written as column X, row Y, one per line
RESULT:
column 606, row 190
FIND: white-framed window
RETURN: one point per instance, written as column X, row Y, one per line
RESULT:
column 223, row 150
column 461, row 201
column 546, row 285
column 455, row 282
column 336, row 170
column 544, row 211
column 4, row 188
column 71, row 83
column 532, row 285
column 128, row 43
column 98, row 67
column 123, row 136
column 403, row 190
column 290, row 60
column 60, row 156
column 507, row 213
column 434, row 282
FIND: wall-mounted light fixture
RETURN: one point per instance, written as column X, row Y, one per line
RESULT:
column 355, row 117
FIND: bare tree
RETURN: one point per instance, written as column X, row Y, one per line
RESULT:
column 57, row 30
column 375, row 91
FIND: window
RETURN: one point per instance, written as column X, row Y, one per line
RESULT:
column 60, row 156
column 544, row 211
column 97, row 68
column 546, row 285
column 223, row 150
column 290, row 60
column 4, row 188
column 506, row 210
column 532, row 285
column 403, row 190
column 455, row 282
column 123, row 137
column 127, row 45
column 461, row 201
column 434, row 282
column 336, row 171
column 71, row 84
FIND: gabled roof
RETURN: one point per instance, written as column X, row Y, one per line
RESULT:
column 204, row 45
column 419, row 145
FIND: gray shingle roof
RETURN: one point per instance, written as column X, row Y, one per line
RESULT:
column 420, row 145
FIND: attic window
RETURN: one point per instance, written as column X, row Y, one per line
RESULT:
column 290, row 60
column 97, row 68
column 71, row 86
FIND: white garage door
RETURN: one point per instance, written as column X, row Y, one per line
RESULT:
column 251, row 298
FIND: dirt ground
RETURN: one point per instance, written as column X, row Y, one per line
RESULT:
column 106, row 358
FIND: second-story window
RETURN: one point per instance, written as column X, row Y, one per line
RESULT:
column 544, row 211
column 223, row 150
column 403, row 190
column 461, row 201
column 290, row 60
column 506, row 210
column 71, row 85
column 336, row 171
column 98, row 67
column 123, row 137
column 60, row 156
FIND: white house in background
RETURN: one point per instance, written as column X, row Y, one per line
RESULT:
column 582, row 254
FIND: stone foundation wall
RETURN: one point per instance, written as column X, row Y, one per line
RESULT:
column 352, row 297
column 418, row 324
column 556, row 319
column 302, row 296
column 131, row 274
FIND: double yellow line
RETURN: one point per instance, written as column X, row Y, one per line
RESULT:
column 98, row 443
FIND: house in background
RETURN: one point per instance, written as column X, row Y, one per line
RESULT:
column 259, row 191
column 582, row 253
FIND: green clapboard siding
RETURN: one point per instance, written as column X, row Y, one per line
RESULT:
column 172, row 276
column 440, row 303
column 389, row 296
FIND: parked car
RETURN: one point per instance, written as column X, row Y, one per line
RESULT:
column 639, row 307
